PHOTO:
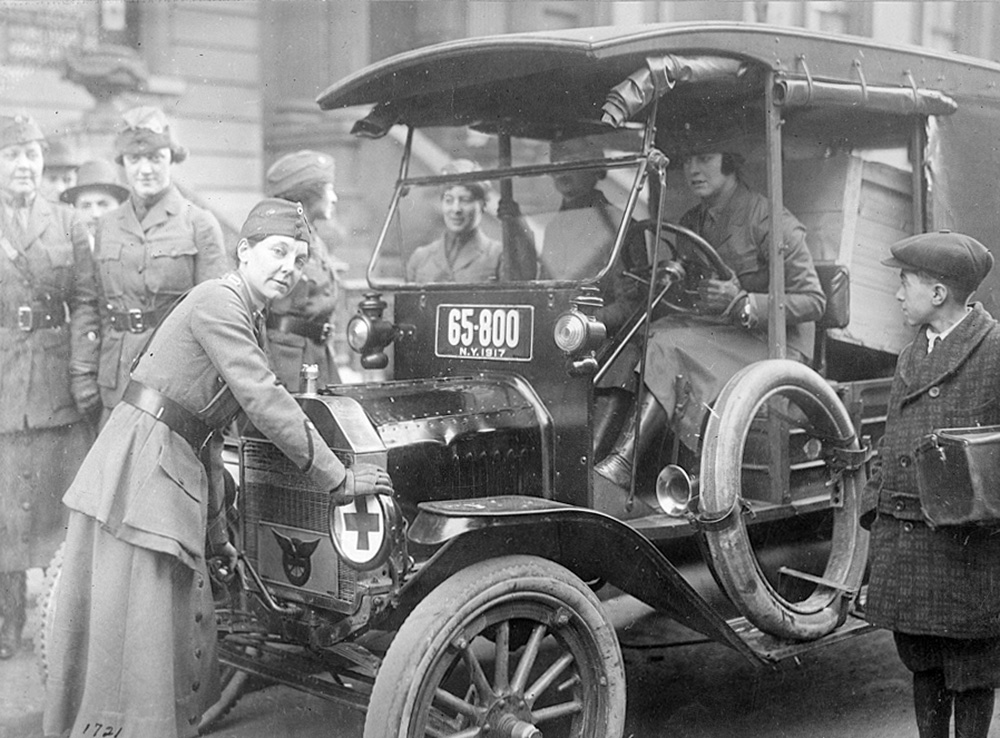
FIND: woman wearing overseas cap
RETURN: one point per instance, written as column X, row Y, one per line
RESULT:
column 300, row 325
column 48, row 365
column 133, row 638
column 463, row 253
column 150, row 251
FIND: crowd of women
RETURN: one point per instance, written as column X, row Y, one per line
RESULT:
column 114, row 391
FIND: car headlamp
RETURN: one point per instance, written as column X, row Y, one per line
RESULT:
column 571, row 331
column 362, row 531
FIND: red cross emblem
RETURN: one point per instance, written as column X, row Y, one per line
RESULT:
column 362, row 522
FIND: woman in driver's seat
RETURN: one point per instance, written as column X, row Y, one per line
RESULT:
column 463, row 253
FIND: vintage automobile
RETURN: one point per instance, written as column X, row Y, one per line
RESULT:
column 472, row 601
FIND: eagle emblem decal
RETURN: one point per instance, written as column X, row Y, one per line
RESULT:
column 296, row 557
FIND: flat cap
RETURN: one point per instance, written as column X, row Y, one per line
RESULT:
column 276, row 217
column 143, row 130
column 298, row 169
column 19, row 129
column 97, row 174
column 943, row 254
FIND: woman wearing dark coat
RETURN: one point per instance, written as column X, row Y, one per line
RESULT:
column 48, row 365
column 133, row 637
column 938, row 588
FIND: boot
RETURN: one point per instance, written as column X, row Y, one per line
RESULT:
column 617, row 466
column 13, row 592
column 611, row 406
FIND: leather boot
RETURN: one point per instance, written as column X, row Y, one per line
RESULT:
column 611, row 406
column 617, row 466
column 13, row 593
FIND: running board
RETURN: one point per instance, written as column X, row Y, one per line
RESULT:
column 773, row 649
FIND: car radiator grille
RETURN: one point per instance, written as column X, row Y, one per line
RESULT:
column 275, row 491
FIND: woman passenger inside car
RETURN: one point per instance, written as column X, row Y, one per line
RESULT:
column 463, row 253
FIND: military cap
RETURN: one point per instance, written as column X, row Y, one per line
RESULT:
column 61, row 154
column 479, row 190
column 143, row 130
column 298, row 169
column 19, row 129
column 943, row 254
column 276, row 217
column 97, row 174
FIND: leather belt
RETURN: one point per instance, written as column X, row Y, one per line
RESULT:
column 136, row 321
column 39, row 316
column 900, row 505
column 179, row 419
column 316, row 332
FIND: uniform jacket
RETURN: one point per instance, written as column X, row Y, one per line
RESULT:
column 145, row 483
column 739, row 229
column 314, row 299
column 147, row 266
column 35, row 366
column 937, row 581
column 478, row 259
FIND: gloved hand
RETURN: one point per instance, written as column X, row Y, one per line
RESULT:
column 223, row 560
column 86, row 395
column 715, row 295
column 362, row 480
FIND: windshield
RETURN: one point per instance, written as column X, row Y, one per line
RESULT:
column 554, row 216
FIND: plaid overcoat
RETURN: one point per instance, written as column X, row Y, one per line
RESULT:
column 935, row 581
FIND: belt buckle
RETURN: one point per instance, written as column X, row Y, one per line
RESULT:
column 25, row 318
column 136, row 322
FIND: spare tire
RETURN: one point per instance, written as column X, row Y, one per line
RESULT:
column 731, row 552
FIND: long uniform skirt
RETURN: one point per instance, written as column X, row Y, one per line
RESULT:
column 36, row 468
column 133, row 641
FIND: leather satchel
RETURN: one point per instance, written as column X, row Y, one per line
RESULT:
column 958, row 475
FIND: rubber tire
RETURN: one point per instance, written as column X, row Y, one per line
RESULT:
column 46, row 607
column 477, row 597
column 731, row 552
column 234, row 686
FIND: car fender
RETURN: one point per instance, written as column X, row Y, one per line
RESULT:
column 591, row 544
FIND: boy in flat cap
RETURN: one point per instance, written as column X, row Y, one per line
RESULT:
column 48, row 365
column 133, row 641
column 938, row 589
column 300, row 325
column 151, row 250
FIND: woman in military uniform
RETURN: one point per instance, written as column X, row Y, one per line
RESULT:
column 133, row 638
column 300, row 325
column 48, row 365
column 151, row 250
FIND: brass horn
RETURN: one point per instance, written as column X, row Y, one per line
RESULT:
column 676, row 491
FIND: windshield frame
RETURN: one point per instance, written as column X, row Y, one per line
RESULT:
column 404, row 183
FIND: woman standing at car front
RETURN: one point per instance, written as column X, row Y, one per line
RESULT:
column 133, row 634
column 48, row 365
column 151, row 250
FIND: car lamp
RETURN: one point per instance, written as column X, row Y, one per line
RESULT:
column 368, row 333
column 578, row 332
column 363, row 530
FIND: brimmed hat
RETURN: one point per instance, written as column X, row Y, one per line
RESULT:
column 694, row 139
column 145, row 129
column 575, row 149
column 19, row 129
column 465, row 166
column 61, row 155
column 276, row 217
column 299, row 169
column 944, row 254
column 97, row 174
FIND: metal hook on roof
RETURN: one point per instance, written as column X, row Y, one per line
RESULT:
column 856, row 65
column 801, row 60
column 913, row 87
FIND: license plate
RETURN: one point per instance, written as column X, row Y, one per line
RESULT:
column 491, row 332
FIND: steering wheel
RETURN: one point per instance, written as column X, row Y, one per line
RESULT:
column 699, row 259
